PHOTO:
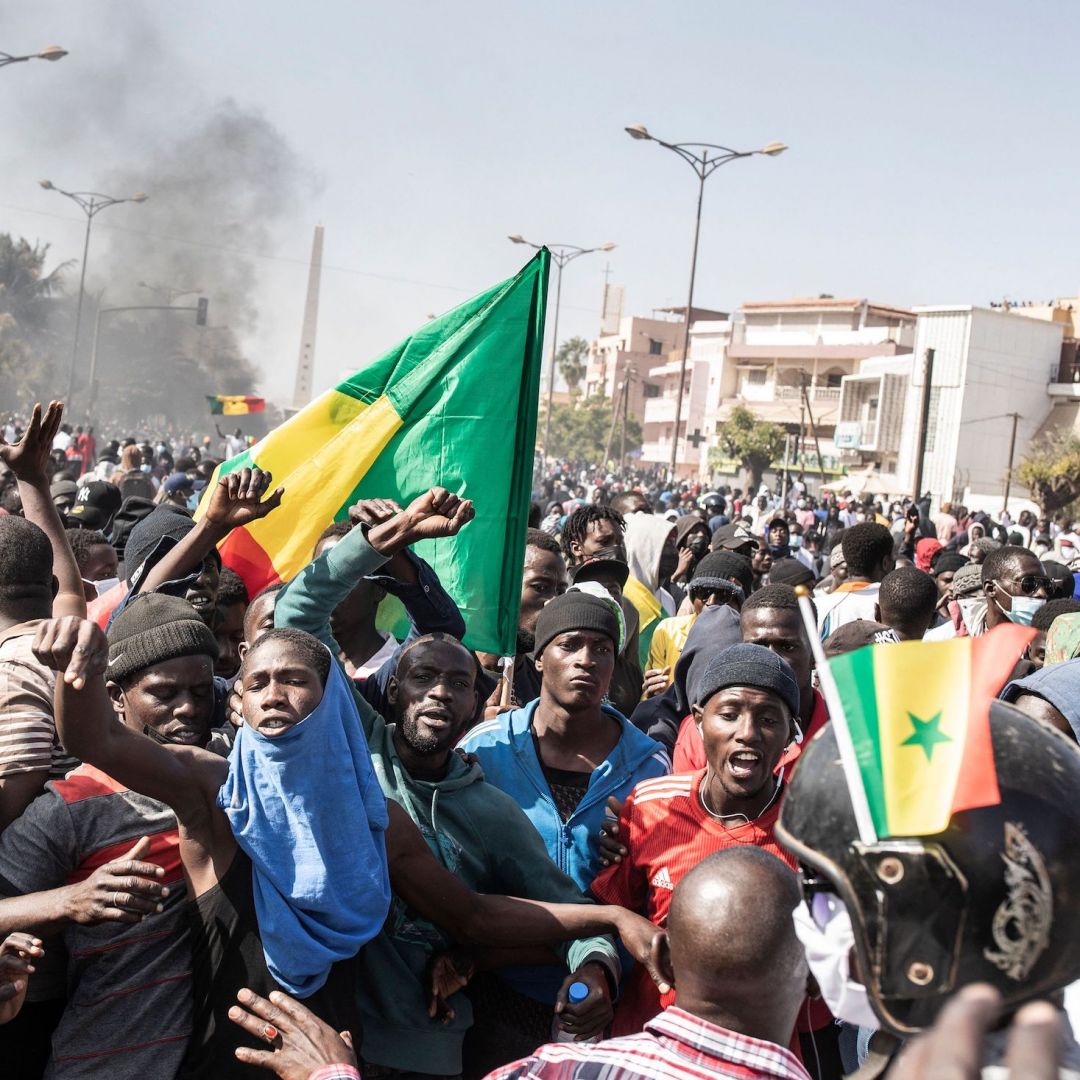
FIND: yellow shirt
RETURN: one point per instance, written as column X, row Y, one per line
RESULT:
column 668, row 640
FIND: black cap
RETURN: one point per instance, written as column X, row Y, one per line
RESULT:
column 599, row 569
column 749, row 665
column 575, row 611
column 791, row 572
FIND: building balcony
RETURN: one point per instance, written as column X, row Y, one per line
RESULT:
column 787, row 350
column 1065, row 380
column 661, row 410
column 816, row 393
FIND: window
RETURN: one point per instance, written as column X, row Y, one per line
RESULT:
column 650, row 390
column 756, row 376
column 656, row 348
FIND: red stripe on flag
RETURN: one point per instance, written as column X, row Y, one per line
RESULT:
column 993, row 657
column 240, row 552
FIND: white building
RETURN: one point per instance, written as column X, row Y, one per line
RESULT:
column 988, row 365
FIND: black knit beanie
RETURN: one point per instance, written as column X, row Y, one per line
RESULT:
column 749, row 665
column 716, row 570
column 152, row 629
column 575, row 611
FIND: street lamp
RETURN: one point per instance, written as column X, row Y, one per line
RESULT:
column 91, row 203
column 704, row 159
column 50, row 52
column 561, row 254
column 169, row 292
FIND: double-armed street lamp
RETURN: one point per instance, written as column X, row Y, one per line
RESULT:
column 91, row 203
column 561, row 254
column 50, row 52
column 704, row 159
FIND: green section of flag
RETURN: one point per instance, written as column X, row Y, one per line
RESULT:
column 854, row 675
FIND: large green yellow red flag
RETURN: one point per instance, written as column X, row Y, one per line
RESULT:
column 919, row 717
column 453, row 405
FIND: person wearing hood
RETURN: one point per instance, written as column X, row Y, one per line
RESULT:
column 480, row 834
column 692, row 538
column 721, row 578
column 1051, row 696
column 651, row 555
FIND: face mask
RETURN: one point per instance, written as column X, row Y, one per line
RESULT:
column 796, row 541
column 102, row 587
column 698, row 544
column 973, row 612
column 193, row 502
column 144, row 468
column 1022, row 609
column 824, row 929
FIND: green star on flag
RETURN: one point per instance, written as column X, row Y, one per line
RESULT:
column 927, row 734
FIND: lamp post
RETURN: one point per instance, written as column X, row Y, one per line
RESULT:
column 50, row 52
column 704, row 159
column 561, row 254
column 91, row 203
column 170, row 293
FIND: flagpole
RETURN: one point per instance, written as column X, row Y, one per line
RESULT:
column 859, row 803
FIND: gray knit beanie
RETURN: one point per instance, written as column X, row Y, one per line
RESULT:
column 154, row 628
column 575, row 611
column 749, row 665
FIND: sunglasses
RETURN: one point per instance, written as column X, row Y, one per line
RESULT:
column 1032, row 583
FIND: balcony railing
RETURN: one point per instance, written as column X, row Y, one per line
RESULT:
column 817, row 393
column 1066, row 372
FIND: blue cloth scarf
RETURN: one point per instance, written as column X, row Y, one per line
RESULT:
column 308, row 811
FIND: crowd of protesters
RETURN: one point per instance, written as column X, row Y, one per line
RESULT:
column 245, row 833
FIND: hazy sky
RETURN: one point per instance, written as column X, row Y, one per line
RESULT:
column 933, row 157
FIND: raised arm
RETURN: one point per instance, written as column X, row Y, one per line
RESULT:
column 78, row 652
column 236, row 501
column 27, row 460
column 308, row 600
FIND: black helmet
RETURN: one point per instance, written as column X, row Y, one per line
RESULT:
column 994, row 898
column 714, row 504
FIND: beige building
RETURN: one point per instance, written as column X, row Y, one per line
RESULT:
column 636, row 347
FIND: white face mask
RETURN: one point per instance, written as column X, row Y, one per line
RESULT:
column 1022, row 609
column 973, row 612
column 827, row 938
column 104, row 585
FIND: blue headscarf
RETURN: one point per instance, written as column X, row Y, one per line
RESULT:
column 306, row 808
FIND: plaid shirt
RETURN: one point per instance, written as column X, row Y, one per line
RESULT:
column 674, row 1044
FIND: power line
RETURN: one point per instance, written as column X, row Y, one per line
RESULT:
column 266, row 256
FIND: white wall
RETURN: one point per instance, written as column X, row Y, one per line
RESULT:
column 986, row 364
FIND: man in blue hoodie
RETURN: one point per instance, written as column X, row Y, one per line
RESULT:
column 560, row 758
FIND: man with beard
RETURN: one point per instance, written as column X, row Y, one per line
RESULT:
column 122, row 923
column 479, row 833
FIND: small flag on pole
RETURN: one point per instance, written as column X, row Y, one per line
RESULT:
column 234, row 404
column 919, row 717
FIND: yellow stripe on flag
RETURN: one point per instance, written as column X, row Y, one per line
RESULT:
column 318, row 456
column 923, row 696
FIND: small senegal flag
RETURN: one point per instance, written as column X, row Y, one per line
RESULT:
column 453, row 405
column 234, row 404
column 918, row 713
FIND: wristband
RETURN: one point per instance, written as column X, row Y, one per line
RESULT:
column 336, row 1072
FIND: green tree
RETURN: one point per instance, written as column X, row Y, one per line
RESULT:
column 572, row 360
column 28, row 305
column 1051, row 470
column 755, row 444
column 580, row 431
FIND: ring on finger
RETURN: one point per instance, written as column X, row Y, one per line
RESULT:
column 270, row 1033
column 116, row 899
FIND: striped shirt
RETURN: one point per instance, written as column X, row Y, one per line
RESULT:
column 128, row 1014
column 28, row 741
column 674, row 1045
column 667, row 833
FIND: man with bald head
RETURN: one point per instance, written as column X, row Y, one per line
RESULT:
column 740, row 973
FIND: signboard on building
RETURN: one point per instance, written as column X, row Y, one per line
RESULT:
column 848, row 435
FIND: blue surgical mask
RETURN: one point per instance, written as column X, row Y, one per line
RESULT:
column 105, row 585
column 144, row 468
column 1022, row 609
column 795, row 541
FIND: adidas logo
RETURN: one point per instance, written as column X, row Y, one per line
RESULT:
column 662, row 879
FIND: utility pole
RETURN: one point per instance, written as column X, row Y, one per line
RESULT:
column 625, row 406
column 924, row 422
column 1012, row 452
column 813, row 429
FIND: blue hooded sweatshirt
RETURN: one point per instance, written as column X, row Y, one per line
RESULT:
column 507, row 754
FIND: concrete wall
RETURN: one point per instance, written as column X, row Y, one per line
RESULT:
column 986, row 364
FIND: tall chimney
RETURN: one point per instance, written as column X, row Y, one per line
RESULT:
column 305, row 365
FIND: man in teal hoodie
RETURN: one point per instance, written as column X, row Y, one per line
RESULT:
column 472, row 828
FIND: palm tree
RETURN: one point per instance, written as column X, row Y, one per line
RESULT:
column 571, row 362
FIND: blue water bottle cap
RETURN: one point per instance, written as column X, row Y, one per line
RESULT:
column 577, row 993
